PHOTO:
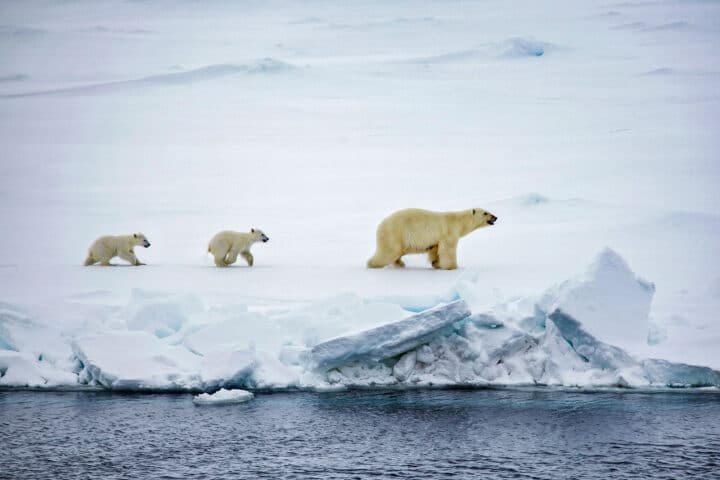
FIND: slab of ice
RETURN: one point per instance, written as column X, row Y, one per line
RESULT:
column 388, row 340
column 140, row 361
column 227, row 368
column 223, row 397
column 32, row 354
column 608, row 298
column 20, row 369
column 160, row 314
column 129, row 360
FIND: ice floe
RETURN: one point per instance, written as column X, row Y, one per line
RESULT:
column 584, row 332
column 223, row 397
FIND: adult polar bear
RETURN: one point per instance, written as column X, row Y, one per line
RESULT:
column 414, row 230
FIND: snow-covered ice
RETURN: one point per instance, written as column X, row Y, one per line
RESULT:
column 581, row 127
column 564, row 336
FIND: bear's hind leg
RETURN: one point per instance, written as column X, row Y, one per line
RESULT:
column 220, row 260
column 382, row 259
column 219, row 252
column 231, row 257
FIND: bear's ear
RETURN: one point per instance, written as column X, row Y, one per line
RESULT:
column 252, row 230
column 134, row 235
column 473, row 211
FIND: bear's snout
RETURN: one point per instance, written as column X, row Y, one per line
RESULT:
column 492, row 219
column 146, row 244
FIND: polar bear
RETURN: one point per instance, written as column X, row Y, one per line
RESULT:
column 422, row 231
column 225, row 246
column 109, row 246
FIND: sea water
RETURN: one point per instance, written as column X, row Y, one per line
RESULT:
column 505, row 433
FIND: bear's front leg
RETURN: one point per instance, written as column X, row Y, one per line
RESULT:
column 447, row 256
column 130, row 257
column 248, row 258
column 433, row 256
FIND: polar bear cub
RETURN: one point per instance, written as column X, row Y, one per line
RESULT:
column 109, row 246
column 422, row 231
column 227, row 245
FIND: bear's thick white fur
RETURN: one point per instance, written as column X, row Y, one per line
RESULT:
column 414, row 230
column 109, row 246
column 227, row 245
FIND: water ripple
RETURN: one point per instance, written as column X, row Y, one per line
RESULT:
column 385, row 435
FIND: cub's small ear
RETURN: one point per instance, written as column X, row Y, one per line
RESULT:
column 252, row 230
column 473, row 211
column 134, row 235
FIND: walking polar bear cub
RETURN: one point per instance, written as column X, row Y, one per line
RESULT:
column 109, row 246
column 227, row 245
column 422, row 231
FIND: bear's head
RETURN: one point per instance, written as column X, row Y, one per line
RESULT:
column 483, row 218
column 141, row 240
column 258, row 235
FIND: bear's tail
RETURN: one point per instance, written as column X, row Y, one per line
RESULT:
column 209, row 248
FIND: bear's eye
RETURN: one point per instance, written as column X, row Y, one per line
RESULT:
column 485, row 213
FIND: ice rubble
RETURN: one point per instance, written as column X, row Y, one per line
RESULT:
column 582, row 332
column 542, row 342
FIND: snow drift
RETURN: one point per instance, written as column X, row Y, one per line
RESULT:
column 579, row 333
column 202, row 74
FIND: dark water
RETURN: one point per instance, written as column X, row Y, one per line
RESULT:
column 416, row 434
